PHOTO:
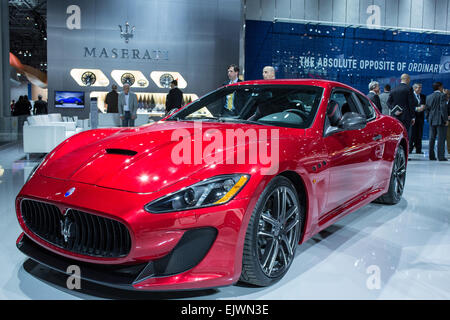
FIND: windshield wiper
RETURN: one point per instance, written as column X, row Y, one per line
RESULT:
column 237, row 120
column 196, row 119
column 222, row 120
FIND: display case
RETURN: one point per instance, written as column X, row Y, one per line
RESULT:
column 151, row 103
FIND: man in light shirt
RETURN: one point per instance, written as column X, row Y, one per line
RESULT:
column 128, row 105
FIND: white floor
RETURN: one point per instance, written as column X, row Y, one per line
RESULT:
column 406, row 247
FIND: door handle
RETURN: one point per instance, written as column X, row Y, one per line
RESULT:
column 377, row 137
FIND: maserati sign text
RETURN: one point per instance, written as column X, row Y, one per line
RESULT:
column 134, row 54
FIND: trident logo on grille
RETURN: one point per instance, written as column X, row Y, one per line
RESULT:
column 66, row 228
column 126, row 34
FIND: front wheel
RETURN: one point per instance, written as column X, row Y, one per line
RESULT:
column 397, row 181
column 272, row 234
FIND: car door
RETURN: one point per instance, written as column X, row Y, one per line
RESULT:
column 376, row 135
column 349, row 154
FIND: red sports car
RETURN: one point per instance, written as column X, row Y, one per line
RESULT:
column 220, row 191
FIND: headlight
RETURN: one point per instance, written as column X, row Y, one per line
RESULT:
column 34, row 170
column 211, row 192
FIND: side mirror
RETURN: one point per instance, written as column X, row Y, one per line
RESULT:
column 352, row 121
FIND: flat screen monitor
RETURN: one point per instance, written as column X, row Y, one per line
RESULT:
column 69, row 99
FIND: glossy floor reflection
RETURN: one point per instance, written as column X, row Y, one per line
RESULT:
column 408, row 245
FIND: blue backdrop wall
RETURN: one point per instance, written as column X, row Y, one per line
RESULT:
column 354, row 56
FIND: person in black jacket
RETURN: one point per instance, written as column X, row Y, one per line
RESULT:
column 403, row 96
column 448, row 127
column 40, row 106
column 112, row 100
column 437, row 111
column 174, row 99
column 27, row 105
column 22, row 107
column 373, row 95
column 417, row 128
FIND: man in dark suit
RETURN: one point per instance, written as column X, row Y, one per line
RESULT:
column 448, row 127
column 40, row 106
column 233, row 75
column 174, row 99
column 417, row 128
column 403, row 96
column 233, row 102
column 373, row 95
column 437, row 110
column 112, row 100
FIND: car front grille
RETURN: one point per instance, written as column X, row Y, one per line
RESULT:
column 76, row 231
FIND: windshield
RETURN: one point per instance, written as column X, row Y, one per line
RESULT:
column 278, row 105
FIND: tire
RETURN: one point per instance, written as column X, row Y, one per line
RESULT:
column 397, row 181
column 273, row 234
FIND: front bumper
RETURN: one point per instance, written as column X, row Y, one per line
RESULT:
column 175, row 251
column 188, row 252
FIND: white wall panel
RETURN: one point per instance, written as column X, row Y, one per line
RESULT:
column 392, row 12
column 363, row 5
column 253, row 11
column 440, row 20
column 417, row 11
column 339, row 10
column 298, row 9
column 267, row 9
column 283, row 8
column 448, row 15
column 382, row 5
column 427, row 14
column 353, row 11
column 326, row 10
column 404, row 13
column 312, row 10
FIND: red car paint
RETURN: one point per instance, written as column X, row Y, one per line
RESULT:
column 340, row 174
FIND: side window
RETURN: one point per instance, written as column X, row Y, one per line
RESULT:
column 345, row 101
column 368, row 110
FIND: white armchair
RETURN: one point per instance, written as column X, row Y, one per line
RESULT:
column 42, row 133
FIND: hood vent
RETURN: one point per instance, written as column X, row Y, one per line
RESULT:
column 123, row 152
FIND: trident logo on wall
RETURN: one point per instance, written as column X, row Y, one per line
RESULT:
column 127, row 35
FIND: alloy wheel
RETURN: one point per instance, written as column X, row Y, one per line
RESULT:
column 399, row 172
column 277, row 234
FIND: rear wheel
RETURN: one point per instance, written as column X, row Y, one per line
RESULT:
column 272, row 234
column 397, row 182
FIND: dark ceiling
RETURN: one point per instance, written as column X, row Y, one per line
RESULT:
column 28, row 31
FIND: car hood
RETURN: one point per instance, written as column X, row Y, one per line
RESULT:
column 137, row 159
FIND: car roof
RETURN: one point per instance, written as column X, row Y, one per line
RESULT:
column 306, row 82
column 311, row 82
